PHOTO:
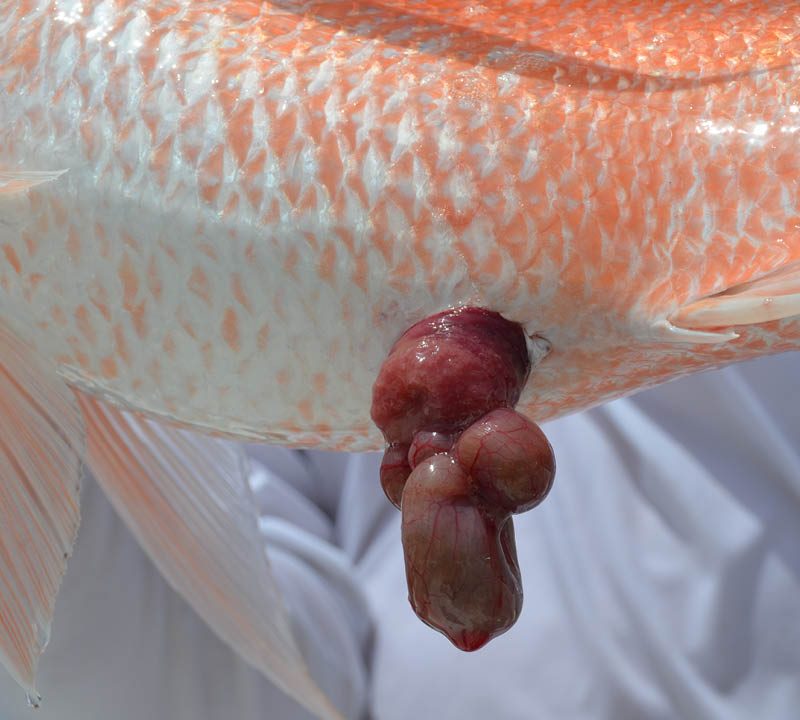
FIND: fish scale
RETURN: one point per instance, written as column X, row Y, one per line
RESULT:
column 259, row 198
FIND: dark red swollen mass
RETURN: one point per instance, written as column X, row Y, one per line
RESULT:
column 459, row 462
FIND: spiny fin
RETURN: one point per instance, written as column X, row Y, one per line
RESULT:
column 665, row 331
column 20, row 181
column 41, row 446
column 773, row 297
column 187, row 500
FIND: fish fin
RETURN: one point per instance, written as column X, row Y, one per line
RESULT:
column 19, row 181
column 665, row 331
column 772, row 297
column 41, row 450
column 187, row 500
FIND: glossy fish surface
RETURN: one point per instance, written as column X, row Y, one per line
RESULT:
column 242, row 205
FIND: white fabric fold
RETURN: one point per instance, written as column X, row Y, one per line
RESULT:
column 661, row 576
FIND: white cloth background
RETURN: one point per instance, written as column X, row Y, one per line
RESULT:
column 662, row 580
column 662, row 574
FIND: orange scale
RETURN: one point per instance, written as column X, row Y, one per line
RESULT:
column 138, row 318
column 666, row 293
column 360, row 271
column 331, row 168
column 290, row 262
column 243, row 10
column 384, row 242
column 207, row 355
column 305, row 409
column 308, row 203
column 83, row 360
column 151, row 119
column 193, row 117
column 199, row 285
column 282, row 130
column 12, row 258
column 58, row 315
column 291, row 190
column 239, row 293
column 401, row 273
column 121, row 344
column 147, row 58
column 98, row 296
column 754, row 224
column 792, row 226
column 787, row 163
column 492, row 266
column 116, row 92
column 230, row 209
column 58, row 211
column 255, row 165
column 240, row 131
column 421, row 247
column 262, row 337
column 718, row 177
column 272, row 213
column 210, row 175
column 326, row 263
column 347, row 132
column 31, row 243
column 126, row 272
column 751, row 180
column 27, row 54
column 573, row 277
column 89, row 137
column 230, row 329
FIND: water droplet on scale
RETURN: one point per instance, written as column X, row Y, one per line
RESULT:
column 34, row 700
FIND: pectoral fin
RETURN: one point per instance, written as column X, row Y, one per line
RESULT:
column 20, row 181
column 773, row 297
column 41, row 445
column 187, row 500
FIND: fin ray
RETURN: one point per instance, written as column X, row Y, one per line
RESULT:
column 41, row 446
column 187, row 500
column 775, row 296
column 19, row 181
column 665, row 331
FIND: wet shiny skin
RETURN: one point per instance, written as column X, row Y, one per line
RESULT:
column 460, row 462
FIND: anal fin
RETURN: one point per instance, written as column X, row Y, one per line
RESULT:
column 187, row 500
column 41, row 446
column 772, row 297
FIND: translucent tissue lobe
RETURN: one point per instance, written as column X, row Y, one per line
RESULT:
column 447, row 371
column 509, row 459
column 426, row 444
column 462, row 577
column 460, row 462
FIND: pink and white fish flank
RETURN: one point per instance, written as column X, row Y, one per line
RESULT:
column 223, row 215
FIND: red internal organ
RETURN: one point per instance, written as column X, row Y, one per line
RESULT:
column 509, row 460
column 462, row 574
column 447, row 371
column 395, row 471
column 426, row 444
column 460, row 461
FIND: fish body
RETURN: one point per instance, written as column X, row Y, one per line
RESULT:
column 250, row 202
column 224, row 215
